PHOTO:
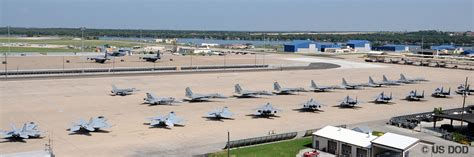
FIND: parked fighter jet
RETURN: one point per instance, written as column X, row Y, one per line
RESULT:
column 152, row 58
column 266, row 110
column 346, row 85
column 372, row 83
column 202, row 97
column 386, row 81
column 122, row 91
column 348, row 102
column 94, row 124
column 279, row 90
column 382, row 98
column 414, row 96
column 462, row 89
column 152, row 99
column 440, row 93
column 403, row 79
column 29, row 130
column 120, row 53
column 168, row 121
column 241, row 93
column 101, row 59
column 316, row 88
column 311, row 105
column 218, row 114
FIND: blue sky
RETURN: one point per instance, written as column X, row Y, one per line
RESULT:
column 250, row 15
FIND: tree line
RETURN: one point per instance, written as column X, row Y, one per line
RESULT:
column 429, row 37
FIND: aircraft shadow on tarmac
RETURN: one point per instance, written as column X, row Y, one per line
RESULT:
column 217, row 119
column 19, row 139
column 162, row 126
column 307, row 110
column 87, row 133
column 346, row 107
column 260, row 117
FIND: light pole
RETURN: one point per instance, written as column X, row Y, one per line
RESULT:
column 82, row 47
column 466, row 91
column 228, row 143
column 9, row 49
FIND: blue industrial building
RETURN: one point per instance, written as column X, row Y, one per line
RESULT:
column 295, row 45
column 357, row 43
column 394, row 48
column 468, row 52
column 443, row 47
column 322, row 46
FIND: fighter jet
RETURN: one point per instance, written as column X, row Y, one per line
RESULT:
column 440, row 93
column 241, row 93
column 29, row 130
column 383, row 99
column 202, row 97
column 403, row 79
column 152, row 58
column 316, row 88
column 462, row 89
column 311, row 105
column 348, row 102
column 414, row 96
column 218, row 114
column 346, row 85
column 279, row 90
column 122, row 91
column 168, row 121
column 388, row 82
column 94, row 124
column 266, row 110
column 152, row 99
column 372, row 83
column 101, row 59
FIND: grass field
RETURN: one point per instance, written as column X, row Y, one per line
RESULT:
column 66, row 41
column 279, row 149
column 35, row 49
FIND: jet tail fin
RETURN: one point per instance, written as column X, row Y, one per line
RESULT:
column 189, row 92
column 238, row 89
column 313, row 84
column 344, row 82
column 402, row 77
column 276, row 86
column 371, row 81
column 385, row 79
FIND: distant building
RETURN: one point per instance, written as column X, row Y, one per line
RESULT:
column 167, row 41
column 443, row 47
column 300, row 46
column 322, row 47
column 236, row 46
column 188, row 50
column 359, row 45
column 210, row 44
column 393, row 48
column 468, row 52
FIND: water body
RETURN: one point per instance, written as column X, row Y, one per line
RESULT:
column 200, row 41
column 224, row 42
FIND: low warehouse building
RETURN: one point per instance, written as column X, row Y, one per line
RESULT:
column 393, row 145
column 340, row 141
column 360, row 143
column 300, row 46
column 323, row 46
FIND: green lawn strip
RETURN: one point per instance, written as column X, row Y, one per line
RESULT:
column 284, row 149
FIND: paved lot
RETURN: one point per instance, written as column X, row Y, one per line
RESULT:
column 55, row 104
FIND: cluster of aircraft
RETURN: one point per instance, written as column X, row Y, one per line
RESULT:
column 108, row 56
column 267, row 110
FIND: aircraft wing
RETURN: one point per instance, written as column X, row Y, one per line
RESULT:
column 226, row 113
column 75, row 128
